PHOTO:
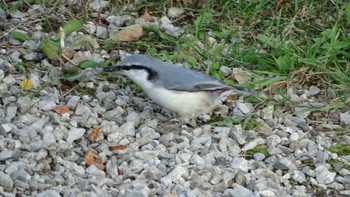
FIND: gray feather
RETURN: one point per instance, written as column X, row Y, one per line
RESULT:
column 175, row 77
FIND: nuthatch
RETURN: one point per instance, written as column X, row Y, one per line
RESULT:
column 186, row 92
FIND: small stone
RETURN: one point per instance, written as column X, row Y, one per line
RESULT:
column 2, row 74
column 226, row 70
column 50, row 192
column 299, row 176
column 82, row 109
column 112, row 167
column 98, row 5
column 149, row 132
column 6, row 181
column 345, row 192
column 314, row 90
column 73, row 102
column 118, row 21
column 175, row 175
column 93, row 170
column 253, row 144
column 49, row 139
column 24, row 103
column 323, row 175
column 244, row 108
column 294, row 137
column 237, row 134
column 6, row 154
column 345, row 118
column 101, row 32
column 7, row 127
column 31, row 44
column 302, row 112
column 267, row 113
column 267, row 193
column 31, row 56
column 239, row 191
column 9, row 80
column 3, row 90
column 75, row 133
column 259, row 156
column 240, row 163
column 36, row 145
column 197, row 160
column 282, row 164
column 167, row 138
column 90, row 27
column 175, row 12
column 11, row 112
column 133, row 117
column 46, row 103
column 128, row 129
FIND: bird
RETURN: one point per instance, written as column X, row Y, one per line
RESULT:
column 187, row 93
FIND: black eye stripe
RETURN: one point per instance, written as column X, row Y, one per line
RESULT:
column 151, row 73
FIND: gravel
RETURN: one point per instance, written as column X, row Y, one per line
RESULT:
column 137, row 151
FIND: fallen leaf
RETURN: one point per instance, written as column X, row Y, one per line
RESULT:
column 88, row 64
column 73, row 25
column 51, row 49
column 94, row 133
column 26, row 84
column 130, row 33
column 120, row 147
column 19, row 36
column 280, row 4
column 89, row 157
column 61, row 109
column 240, row 75
column 145, row 16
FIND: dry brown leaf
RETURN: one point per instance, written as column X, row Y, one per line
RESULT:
column 145, row 16
column 26, row 84
column 280, row 4
column 120, row 147
column 130, row 33
column 90, row 157
column 94, row 133
column 61, row 109
column 240, row 75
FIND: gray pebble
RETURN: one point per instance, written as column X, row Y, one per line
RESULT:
column 73, row 102
column 6, row 181
column 101, row 32
column 74, row 134
column 49, row 192
column 24, row 103
column 323, row 175
column 6, row 154
column 314, row 90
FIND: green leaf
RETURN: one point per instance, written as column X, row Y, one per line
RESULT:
column 15, row 5
column 50, row 49
column 19, row 36
column 88, row 64
column 347, row 9
column 73, row 25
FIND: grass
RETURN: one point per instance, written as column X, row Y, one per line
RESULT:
column 294, row 44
